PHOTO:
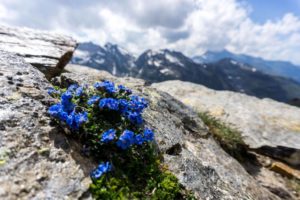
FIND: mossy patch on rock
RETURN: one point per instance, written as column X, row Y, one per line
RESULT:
column 229, row 138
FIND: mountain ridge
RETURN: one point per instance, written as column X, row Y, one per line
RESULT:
column 276, row 67
column 165, row 64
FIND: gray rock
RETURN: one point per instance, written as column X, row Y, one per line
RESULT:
column 269, row 126
column 47, row 51
column 37, row 161
column 189, row 151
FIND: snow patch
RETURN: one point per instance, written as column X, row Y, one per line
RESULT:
column 114, row 70
column 123, row 51
column 101, row 61
column 233, row 62
column 100, row 53
column 165, row 71
column 173, row 59
column 82, row 54
column 157, row 63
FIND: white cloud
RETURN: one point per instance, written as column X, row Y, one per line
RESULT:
column 191, row 26
column 272, row 40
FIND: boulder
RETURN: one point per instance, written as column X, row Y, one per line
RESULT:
column 265, row 125
column 189, row 151
column 47, row 51
column 37, row 161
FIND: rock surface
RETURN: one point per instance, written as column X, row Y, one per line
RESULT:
column 49, row 52
column 39, row 161
column 189, row 151
column 267, row 125
column 36, row 160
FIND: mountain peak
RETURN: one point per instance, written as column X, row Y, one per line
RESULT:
column 114, row 48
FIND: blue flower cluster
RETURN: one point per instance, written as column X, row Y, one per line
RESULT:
column 91, row 101
column 131, row 109
column 107, row 86
column 100, row 170
column 127, row 138
column 65, row 110
column 109, row 103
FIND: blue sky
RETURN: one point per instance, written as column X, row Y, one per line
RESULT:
column 264, row 10
column 263, row 28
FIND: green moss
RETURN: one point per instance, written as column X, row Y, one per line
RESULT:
column 229, row 138
column 140, row 175
column 294, row 185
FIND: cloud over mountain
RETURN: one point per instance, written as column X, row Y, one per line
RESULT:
column 191, row 26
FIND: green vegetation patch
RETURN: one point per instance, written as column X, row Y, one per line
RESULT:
column 294, row 185
column 229, row 138
column 108, row 122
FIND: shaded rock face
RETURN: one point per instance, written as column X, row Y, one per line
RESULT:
column 271, row 127
column 188, row 150
column 48, row 52
column 36, row 159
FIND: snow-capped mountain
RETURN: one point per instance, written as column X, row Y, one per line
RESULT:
column 277, row 68
column 164, row 64
column 111, row 58
column 157, row 66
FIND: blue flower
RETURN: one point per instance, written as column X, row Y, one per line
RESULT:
column 109, row 103
column 137, row 103
column 57, row 111
column 93, row 100
column 106, row 85
column 122, row 88
column 123, row 105
column 126, row 139
column 66, row 97
column 81, row 118
column 100, row 170
column 148, row 135
column 63, row 116
column 72, row 87
column 54, row 110
column 53, row 91
column 139, row 140
column 71, row 121
column 75, row 120
column 66, row 102
column 134, row 117
column 79, row 91
column 108, row 135
column 68, row 107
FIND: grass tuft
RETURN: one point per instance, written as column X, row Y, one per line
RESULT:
column 229, row 138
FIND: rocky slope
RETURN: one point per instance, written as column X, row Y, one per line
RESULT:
column 38, row 160
column 49, row 52
column 189, row 151
column 271, row 127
